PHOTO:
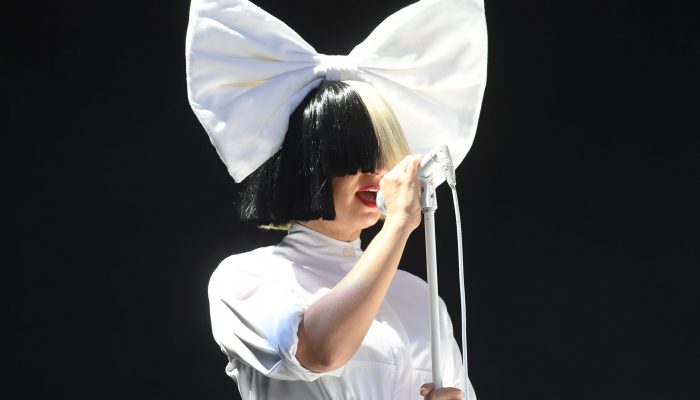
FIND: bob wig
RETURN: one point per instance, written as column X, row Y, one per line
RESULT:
column 340, row 128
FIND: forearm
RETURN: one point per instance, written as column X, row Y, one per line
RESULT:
column 335, row 325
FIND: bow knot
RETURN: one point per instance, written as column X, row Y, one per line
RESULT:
column 336, row 68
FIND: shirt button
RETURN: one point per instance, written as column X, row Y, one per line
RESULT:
column 348, row 252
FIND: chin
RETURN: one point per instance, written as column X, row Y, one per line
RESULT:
column 372, row 220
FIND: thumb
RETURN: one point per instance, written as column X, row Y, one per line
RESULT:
column 426, row 389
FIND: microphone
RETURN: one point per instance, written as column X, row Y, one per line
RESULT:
column 435, row 167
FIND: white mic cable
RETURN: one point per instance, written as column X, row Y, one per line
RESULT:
column 449, row 172
column 462, row 291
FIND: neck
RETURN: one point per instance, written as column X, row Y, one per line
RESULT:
column 331, row 229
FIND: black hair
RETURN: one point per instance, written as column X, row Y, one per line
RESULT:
column 330, row 134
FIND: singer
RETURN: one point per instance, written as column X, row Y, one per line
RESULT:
column 312, row 138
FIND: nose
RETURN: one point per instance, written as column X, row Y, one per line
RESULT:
column 378, row 174
column 380, row 171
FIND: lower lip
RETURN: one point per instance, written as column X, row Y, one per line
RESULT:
column 370, row 204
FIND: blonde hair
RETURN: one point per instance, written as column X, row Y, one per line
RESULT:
column 392, row 143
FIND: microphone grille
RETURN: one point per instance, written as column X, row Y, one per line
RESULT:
column 380, row 202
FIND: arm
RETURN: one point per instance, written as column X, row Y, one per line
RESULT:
column 334, row 326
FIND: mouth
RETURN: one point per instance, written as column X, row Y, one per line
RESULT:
column 368, row 195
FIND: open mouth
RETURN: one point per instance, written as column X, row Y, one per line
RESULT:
column 368, row 195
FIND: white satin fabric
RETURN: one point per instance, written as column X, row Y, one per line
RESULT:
column 258, row 298
column 247, row 71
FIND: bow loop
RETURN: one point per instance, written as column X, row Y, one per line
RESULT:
column 337, row 68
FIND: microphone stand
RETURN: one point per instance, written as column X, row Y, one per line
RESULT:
column 437, row 166
column 428, row 206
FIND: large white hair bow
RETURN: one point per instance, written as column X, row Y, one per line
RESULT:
column 247, row 71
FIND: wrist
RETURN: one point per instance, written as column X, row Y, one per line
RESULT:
column 399, row 225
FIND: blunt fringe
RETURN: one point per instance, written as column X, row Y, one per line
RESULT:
column 339, row 128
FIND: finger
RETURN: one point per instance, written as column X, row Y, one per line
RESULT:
column 426, row 389
column 407, row 162
column 404, row 163
column 401, row 166
column 410, row 159
column 448, row 393
column 413, row 166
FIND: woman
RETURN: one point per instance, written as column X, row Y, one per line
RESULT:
column 315, row 317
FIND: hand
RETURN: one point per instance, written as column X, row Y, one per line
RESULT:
column 401, row 191
column 446, row 393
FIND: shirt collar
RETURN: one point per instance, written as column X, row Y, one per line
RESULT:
column 312, row 246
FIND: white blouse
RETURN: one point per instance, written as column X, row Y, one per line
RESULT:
column 257, row 300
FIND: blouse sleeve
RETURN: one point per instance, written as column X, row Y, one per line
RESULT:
column 451, row 355
column 255, row 316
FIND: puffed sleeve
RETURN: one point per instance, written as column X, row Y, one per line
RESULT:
column 256, row 308
column 452, row 372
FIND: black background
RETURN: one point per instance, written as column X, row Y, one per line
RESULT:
column 579, row 201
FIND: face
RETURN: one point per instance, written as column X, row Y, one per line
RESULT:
column 355, row 205
column 355, row 199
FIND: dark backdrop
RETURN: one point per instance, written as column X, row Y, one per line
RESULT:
column 578, row 200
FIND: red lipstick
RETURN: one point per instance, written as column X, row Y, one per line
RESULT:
column 368, row 195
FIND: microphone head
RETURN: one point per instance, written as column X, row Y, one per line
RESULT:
column 380, row 202
column 437, row 166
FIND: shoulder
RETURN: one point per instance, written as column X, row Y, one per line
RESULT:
column 248, row 269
